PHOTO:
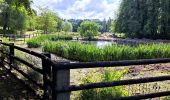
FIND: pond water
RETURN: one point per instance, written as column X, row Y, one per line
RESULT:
column 99, row 44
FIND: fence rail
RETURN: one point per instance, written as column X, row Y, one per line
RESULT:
column 16, row 37
column 56, row 75
column 45, row 58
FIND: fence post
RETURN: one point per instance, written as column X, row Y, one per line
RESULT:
column 9, row 38
column 61, row 79
column 11, row 54
column 14, row 37
column 24, row 38
column 1, row 49
column 46, row 67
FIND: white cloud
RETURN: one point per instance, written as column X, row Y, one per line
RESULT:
column 80, row 5
column 84, row 9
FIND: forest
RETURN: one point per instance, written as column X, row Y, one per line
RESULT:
column 144, row 19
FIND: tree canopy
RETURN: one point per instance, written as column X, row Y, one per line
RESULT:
column 88, row 29
column 144, row 18
column 47, row 21
column 67, row 26
column 104, row 25
column 17, row 15
column 13, row 14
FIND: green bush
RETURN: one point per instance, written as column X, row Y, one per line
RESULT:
column 105, row 93
column 86, row 52
column 34, row 43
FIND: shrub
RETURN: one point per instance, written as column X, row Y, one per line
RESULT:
column 37, row 41
column 105, row 93
column 33, row 43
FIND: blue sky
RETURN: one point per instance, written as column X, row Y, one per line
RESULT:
column 81, row 9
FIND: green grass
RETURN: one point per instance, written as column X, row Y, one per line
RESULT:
column 37, row 41
column 85, row 52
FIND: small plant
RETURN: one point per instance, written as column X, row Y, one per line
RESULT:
column 105, row 93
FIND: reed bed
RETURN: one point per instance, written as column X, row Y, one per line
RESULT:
column 87, row 53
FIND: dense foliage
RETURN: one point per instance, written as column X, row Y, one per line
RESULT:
column 144, row 18
column 18, row 16
column 84, row 52
column 88, row 29
column 104, row 25
column 13, row 14
column 47, row 21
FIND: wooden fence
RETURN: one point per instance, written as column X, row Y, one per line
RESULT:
column 21, row 37
column 56, row 75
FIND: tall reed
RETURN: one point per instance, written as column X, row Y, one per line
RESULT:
column 85, row 52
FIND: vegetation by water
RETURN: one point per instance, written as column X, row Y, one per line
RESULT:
column 37, row 41
column 85, row 52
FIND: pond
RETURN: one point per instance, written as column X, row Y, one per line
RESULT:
column 99, row 44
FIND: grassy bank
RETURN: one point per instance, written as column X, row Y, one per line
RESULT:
column 84, row 52
column 37, row 41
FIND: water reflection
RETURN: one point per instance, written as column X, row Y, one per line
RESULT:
column 99, row 44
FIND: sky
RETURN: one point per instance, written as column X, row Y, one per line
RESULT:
column 81, row 9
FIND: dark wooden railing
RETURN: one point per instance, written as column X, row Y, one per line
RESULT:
column 45, row 71
column 56, row 75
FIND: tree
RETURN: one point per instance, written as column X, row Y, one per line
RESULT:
column 48, row 21
column 17, row 21
column 31, row 22
column 151, row 25
column 16, row 7
column 112, row 26
column 88, row 29
column 67, row 26
column 104, row 26
column 109, row 22
column 14, row 14
column 59, row 25
column 144, row 18
column 164, row 23
column 75, row 23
